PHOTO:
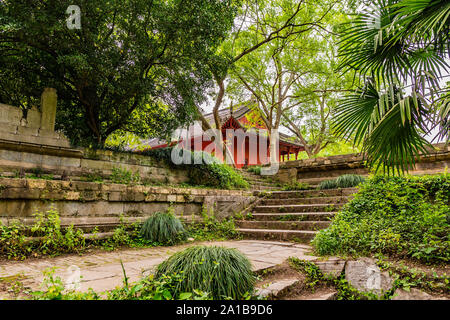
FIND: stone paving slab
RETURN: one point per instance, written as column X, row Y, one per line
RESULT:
column 102, row 270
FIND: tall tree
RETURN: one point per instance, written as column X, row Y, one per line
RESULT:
column 400, row 49
column 136, row 65
column 259, row 23
column 293, row 78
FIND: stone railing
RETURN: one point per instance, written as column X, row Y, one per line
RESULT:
column 34, row 126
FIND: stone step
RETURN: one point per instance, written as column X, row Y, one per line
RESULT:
column 276, row 288
column 313, row 193
column 313, row 200
column 319, row 207
column 284, row 225
column 294, row 216
column 271, row 234
column 263, row 188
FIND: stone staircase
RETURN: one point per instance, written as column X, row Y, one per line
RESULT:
column 293, row 215
column 258, row 182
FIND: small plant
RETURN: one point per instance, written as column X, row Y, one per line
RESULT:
column 292, row 217
column 124, row 176
column 148, row 288
column 52, row 238
column 53, row 288
column 222, row 272
column 93, row 177
column 164, row 228
column 13, row 243
column 254, row 169
column 344, row 181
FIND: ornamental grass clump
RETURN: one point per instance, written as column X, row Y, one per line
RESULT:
column 221, row 272
column 163, row 228
column 344, row 181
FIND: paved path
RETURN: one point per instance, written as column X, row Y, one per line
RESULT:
column 102, row 271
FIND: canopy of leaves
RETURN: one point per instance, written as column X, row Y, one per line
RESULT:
column 400, row 49
column 137, row 65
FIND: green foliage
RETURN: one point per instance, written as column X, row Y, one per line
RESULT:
column 13, row 242
column 150, row 288
column 217, row 175
column 124, row 176
column 212, row 229
column 49, row 237
column 402, row 216
column 312, row 272
column 344, row 181
column 254, row 169
column 315, row 277
column 135, row 65
column 296, row 186
column 222, row 272
column 399, row 50
column 53, row 288
column 164, row 228
column 207, row 173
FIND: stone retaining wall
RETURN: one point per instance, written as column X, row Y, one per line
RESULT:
column 79, row 164
column 97, row 203
column 28, row 143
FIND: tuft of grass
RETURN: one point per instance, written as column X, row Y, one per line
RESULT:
column 222, row 272
column 164, row 228
column 344, row 181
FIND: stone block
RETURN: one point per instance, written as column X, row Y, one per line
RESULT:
column 8, row 128
column 412, row 294
column 365, row 276
column 10, row 114
column 71, row 195
column 96, row 164
column 33, row 118
column 48, row 109
column 36, row 184
column 332, row 267
column 21, row 130
column 171, row 198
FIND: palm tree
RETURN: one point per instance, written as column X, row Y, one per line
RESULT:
column 400, row 50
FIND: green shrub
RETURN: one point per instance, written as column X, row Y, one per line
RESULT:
column 13, row 242
column 208, row 173
column 222, row 272
column 216, row 175
column 401, row 216
column 52, row 238
column 254, row 169
column 164, row 228
column 344, row 181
